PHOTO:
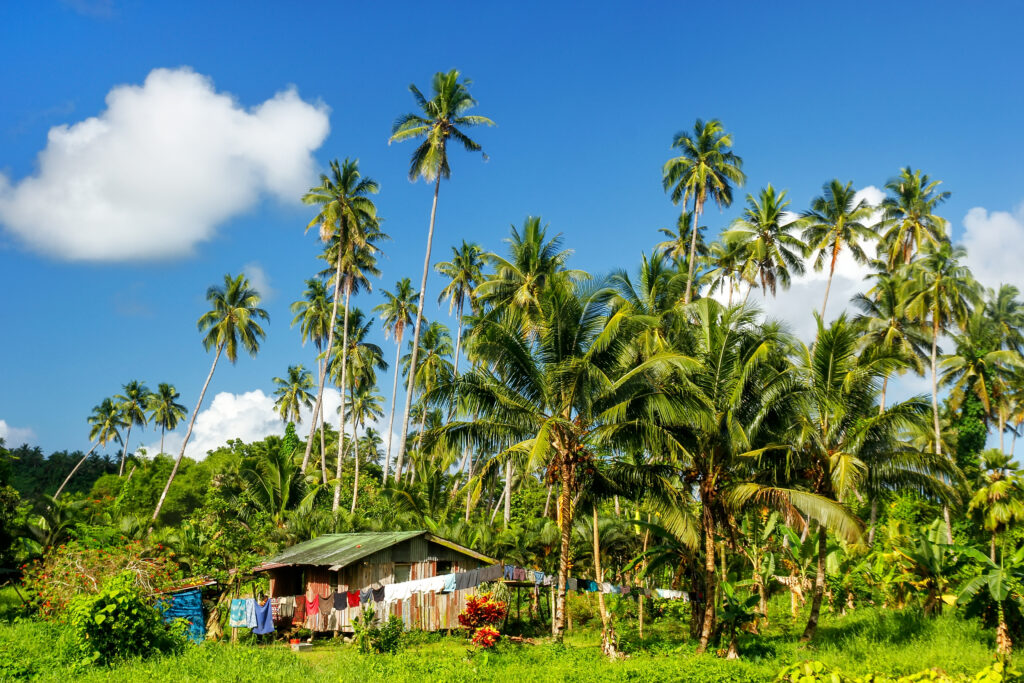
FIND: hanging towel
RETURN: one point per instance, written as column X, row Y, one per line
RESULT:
column 264, row 618
column 378, row 592
column 449, row 583
column 509, row 572
column 365, row 596
column 547, row 580
column 538, row 577
column 237, row 618
column 250, row 613
column 492, row 573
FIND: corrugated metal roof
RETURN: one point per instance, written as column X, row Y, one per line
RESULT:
column 338, row 550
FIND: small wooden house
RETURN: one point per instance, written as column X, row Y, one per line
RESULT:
column 355, row 561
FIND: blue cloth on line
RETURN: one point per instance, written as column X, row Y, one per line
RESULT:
column 509, row 570
column 250, row 613
column 538, row 577
column 449, row 583
column 187, row 605
column 237, row 619
column 264, row 618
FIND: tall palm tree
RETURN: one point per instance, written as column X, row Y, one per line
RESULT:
column 133, row 404
column 464, row 273
column 232, row 321
column 836, row 219
column 908, row 216
column 106, row 421
column 999, row 501
column 706, row 168
column 940, row 291
column 441, row 117
column 396, row 314
column 312, row 314
column 774, row 254
column 164, row 409
column 677, row 243
column 435, row 366
column 365, row 403
column 293, row 393
column 1004, row 308
column 729, row 264
column 346, row 217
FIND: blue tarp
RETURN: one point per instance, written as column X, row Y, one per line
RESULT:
column 187, row 605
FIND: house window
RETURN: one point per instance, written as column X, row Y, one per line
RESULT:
column 402, row 572
column 444, row 567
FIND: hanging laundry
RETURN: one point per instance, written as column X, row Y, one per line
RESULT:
column 237, row 614
column 353, row 598
column 187, row 605
column 492, row 573
column 571, row 584
column 509, row 572
column 449, row 583
column 325, row 603
column 312, row 612
column 264, row 618
column 286, row 607
column 250, row 613
column 538, row 577
column 365, row 596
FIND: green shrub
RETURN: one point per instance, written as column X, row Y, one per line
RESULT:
column 120, row 622
column 815, row 672
column 386, row 639
column 12, row 666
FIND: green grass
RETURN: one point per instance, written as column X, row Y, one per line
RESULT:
column 869, row 640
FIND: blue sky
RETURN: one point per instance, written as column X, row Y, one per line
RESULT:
column 586, row 97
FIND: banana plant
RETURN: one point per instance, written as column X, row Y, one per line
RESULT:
column 1003, row 580
column 737, row 610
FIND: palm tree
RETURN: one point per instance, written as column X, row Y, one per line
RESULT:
column 164, row 409
column 940, row 291
column 774, row 254
column 728, row 260
column 908, row 216
column 434, row 366
column 314, row 318
column 275, row 486
column 293, row 393
column 443, row 116
column 464, row 273
column 1004, row 308
column 365, row 403
column 999, row 501
column 133, row 404
column 677, row 244
column 106, row 421
column 707, row 168
column 836, row 219
column 347, row 217
column 233, row 319
column 396, row 314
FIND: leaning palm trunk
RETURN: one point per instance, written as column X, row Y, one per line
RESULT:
column 565, row 528
column 330, row 348
column 609, row 641
column 416, row 336
column 188, row 435
column 323, row 437
column 394, row 397
column 935, row 415
column 75, row 469
column 124, row 453
column 355, row 458
column 693, row 250
column 819, row 587
column 341, row 408
column 831, row 271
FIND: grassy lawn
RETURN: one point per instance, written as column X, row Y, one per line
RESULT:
column 866, row 641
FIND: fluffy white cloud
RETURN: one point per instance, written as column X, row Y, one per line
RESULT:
column 796, row 306
column 992, row 241
column 15, row 436
column 249, row 416
column 259, row 279
column 157, row 171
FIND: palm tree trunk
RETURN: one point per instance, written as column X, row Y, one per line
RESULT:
column 565, row 527
column 992, row 548
column 75, row 469
column 188, row 435
column 469, row 487
column 124, row 453
column 355, row 451
column 693, row 251
column 708, row 622
column 394, row 398
column 509, row 473
column 935, row 414
column 163, row 429
column 319, row 417
column 330, row 347
column 885, row 386
column 547, row 501
column 416, row 334
column 608, row 644
column 819, row 587
column 873, row 520
column 344, row 382
column 831, row 272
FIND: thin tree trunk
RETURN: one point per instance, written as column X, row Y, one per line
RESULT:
column 75, row 469
column 608, row 639
column 547, row 500
column 710, row 588
column 885, row 386
column 355, row 451
column 163, row 429
column 416, row 334
column 394, row 397
column 327, row 358
column 319, row 417
column 693, row 251
column 935, row 415
column 344, row 383
column 509, row 473
column 819, row 587
column 873, row 521
column 469, row 487
column 497, row 506
column 992, row 548
column 831, row 272
column 124, row 453
column 188, row 435
column 565, row 527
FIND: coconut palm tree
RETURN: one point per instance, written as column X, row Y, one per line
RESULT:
column 232, row 321
column 133, row 405
column 774, row 254
column 999, row 502
column 164, row 409
column 444, row 116
column 106, row 422
column 464, row 273
column 1004, row 308
column 365, row 403
column 836, row 220
column 293, row 393
column 939, row 291
column 677, row 243
column 396, row 313
column 312, row 314
column 706, row 168
column 729, row 266
column 435, row 366
column 908, row 216
column 347, row 218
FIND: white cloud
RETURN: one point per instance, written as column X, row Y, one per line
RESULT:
column 259, row 279
column 15, row 436
column 158, row 170
column 249, row 416
column 796, row 306
column 992, row 241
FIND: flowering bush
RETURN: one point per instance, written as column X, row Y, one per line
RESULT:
column 482, row 610
column 76, row 569
column 486, row 636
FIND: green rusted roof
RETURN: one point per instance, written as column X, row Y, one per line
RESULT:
column 339, row 549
